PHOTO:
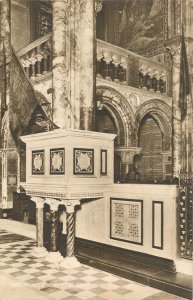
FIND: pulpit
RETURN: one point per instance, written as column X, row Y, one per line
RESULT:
column 64, row 167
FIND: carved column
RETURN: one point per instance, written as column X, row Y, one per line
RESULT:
column 39, row 250
column 124, row 74
column 116, row 62
column 70, row 260
column 54, row 255
column 176, row 117
column 99, row 57
column 32, row 61
column 73, row 63
column 61, row 105
column 38, row 64
column 87, row 60
column 5, row 59
column 107, row 59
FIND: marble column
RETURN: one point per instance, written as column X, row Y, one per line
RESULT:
column 87, row 57
column 54, row 255
column 61, row 104
column 176, row 117
column 70, row 261
column 39, row 251
column 5, row 59
column 5, row 28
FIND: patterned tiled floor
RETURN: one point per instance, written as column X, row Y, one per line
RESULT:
column 57, row 283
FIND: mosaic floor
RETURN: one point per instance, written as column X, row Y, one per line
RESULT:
column 47, row 279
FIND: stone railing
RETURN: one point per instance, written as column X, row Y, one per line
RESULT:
column 113, row 63
column 125, row 67
column 36, row 57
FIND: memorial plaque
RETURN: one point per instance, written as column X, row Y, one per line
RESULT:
column 126, row 220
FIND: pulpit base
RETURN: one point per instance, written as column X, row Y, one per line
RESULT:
column 70, row 263
column 54, row 257
column 39, row 252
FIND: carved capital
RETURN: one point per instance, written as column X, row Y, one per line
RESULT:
column 53, row 203
column 98, row 6
column 166, row 155
column 127, row 154
column 70, row 205
column 38, row 201
column 175, row 52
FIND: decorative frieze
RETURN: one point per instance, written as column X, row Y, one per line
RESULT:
column 45, row 194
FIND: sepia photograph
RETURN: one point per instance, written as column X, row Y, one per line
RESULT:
column 96, row 149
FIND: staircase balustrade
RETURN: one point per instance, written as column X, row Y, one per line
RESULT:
column 36, row 58
column 113, row 63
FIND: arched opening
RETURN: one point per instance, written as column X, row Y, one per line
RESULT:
column 150, row 139
column 105, row 122
column 108, row 123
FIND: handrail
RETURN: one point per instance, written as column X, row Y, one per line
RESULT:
column 34, row 44
column 123, row 66
column 122, row 51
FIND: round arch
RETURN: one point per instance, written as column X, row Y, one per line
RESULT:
column 44, row 103
column 119, row 108
column 162, row 114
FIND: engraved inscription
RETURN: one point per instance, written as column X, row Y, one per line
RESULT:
column 126, row 220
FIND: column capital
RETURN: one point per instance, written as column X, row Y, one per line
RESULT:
column 70, row 205
column 127, row 154
column 53, row 203
column 38, row 201
column 98, row 6
column 175, row 52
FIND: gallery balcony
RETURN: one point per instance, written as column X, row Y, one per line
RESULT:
column 114, row 64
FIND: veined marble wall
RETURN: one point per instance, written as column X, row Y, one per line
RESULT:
column 20, row 23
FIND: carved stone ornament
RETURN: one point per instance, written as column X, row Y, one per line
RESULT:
column 53, row 203
column 98, row 6
column 70, row 205
column 57, row 161
column 127, row 154
column 38, row 201
column 83, row 161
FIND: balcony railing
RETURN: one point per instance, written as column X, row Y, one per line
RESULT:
column 36, row 58
column 113, row 63
column 125, row 67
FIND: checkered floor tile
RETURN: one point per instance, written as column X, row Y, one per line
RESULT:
column 82, row 283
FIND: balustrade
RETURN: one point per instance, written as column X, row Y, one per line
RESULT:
column 119, row 65
column 112, row 63
column 36, row 58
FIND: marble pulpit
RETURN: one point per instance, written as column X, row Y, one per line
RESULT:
column 64, row 167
